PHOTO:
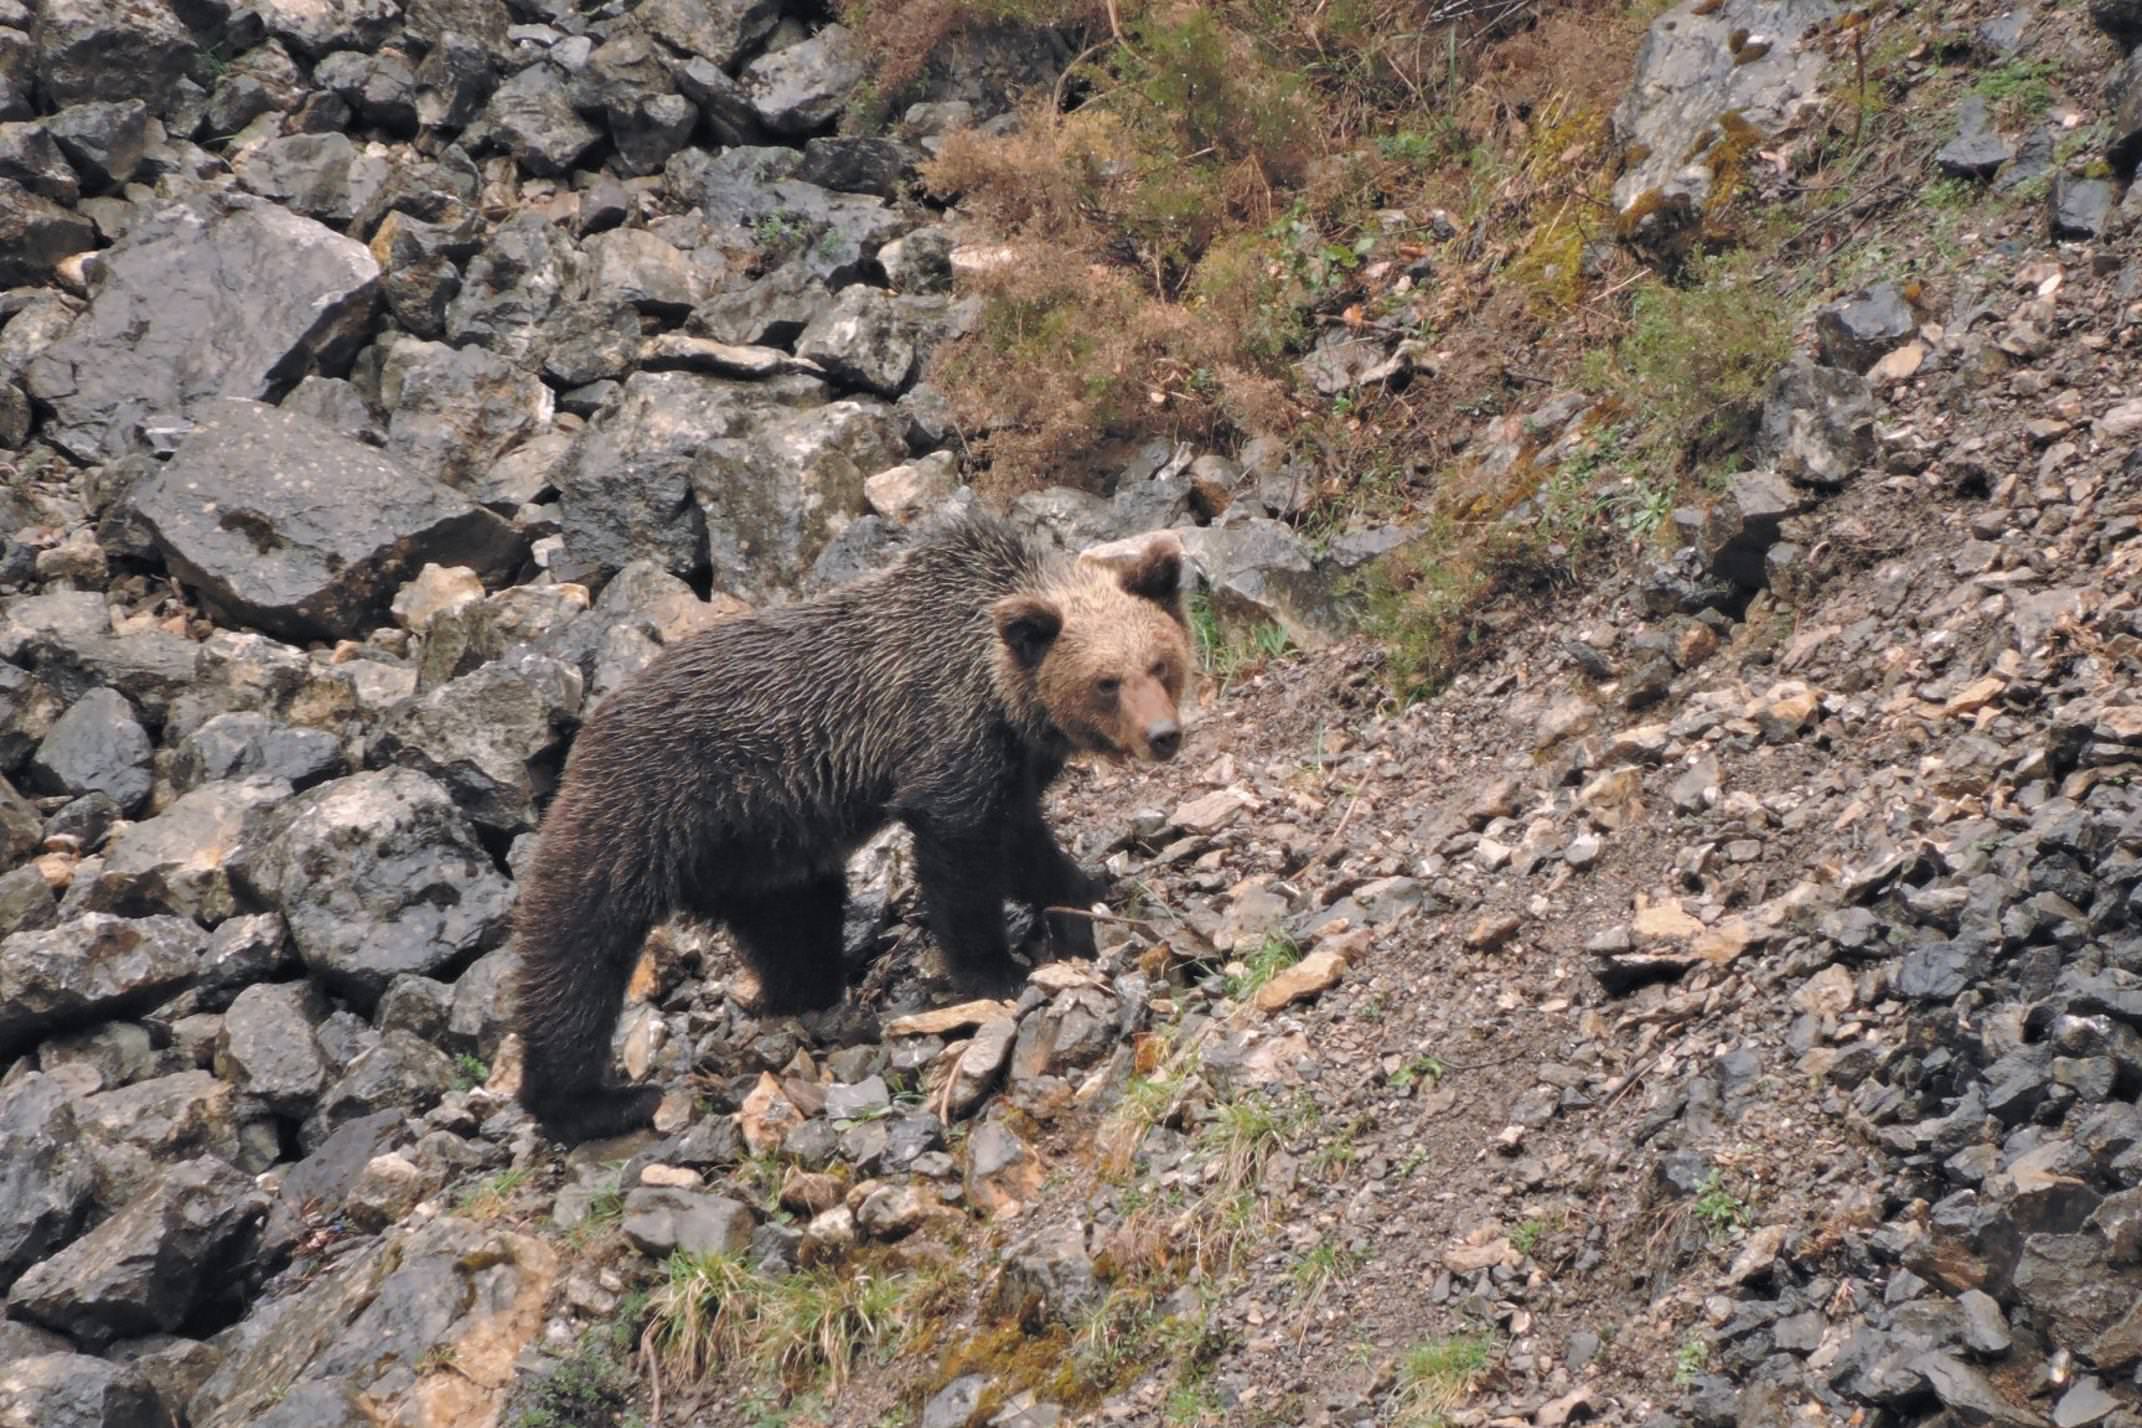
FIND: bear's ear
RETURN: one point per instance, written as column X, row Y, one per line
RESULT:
column 1156, row 572
column 1027, row 624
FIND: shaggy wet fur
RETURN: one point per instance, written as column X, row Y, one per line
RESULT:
column 734, row 776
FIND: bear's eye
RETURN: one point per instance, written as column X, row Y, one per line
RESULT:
column 1107, row 688
column 1159, row 669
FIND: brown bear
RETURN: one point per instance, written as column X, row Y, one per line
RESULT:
column 733, row 777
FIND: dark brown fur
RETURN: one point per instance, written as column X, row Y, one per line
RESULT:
column 734, row 776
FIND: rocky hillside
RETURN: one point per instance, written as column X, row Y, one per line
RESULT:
column 1645, row 928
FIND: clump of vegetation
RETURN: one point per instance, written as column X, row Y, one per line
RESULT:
column 1436, row 1375
column 1695, row 361
column 590, row 1388
column 1718, row 1207
column 1226, row 653
column 1691, row 1359
column 805, row 1327
column 1273, row 956
column 470, row 1072
column 2020, row 89
column 492, row 1197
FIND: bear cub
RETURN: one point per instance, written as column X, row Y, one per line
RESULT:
column 733, row 777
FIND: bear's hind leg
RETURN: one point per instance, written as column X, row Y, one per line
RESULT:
column 791, row 939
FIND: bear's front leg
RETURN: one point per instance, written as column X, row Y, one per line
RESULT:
column 1045, row 876
column 963, row 875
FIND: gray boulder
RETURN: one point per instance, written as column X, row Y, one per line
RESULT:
column 35, row 233
column 1699, row 61
column 149, row 1266
column 456, row 410
column 92, row 968
column 1978, row 150
column 67, row 1390
column 104, row 141
column 770, row 311
column 266, row 1048
column 531, row 117
column 2079, row 208
column 455, row 79
column 322, row 176
column 627, row 491
column 639, row 267
column 1744, row 523
column 97, row 746
column 110, row 50
column 776, row 498
column 176, row 862
column 250, row 745
column 511, row 289
column 18, row 75
column 214, row 297
column 805, row 86
column 412, row 891
column 65, row 637
column 490, row 737
column 401, row 1073
column 1260, row 572
column 45, row 1184
column 1818, row 424
column 315, row 29
column 379, row 88
column 29, row 157
column 1857, row 331
column 719, row 31
column 862, row 340
column 831, row 236
column 471, row 1291
column 660, row 1221
column 247, row 514
column 858, row 164
column 135, row 1132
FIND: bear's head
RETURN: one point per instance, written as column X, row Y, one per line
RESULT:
column 1104, row 650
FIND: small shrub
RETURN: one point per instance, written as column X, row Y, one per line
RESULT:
column 1418, row 1069
column 1718, row 1207
column 469, row 1072
column 591, row 1388
column 1695, row 362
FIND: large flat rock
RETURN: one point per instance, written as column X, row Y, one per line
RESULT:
column 214, row 297
column 301, row 532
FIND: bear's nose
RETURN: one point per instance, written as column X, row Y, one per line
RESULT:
column 1164, row 738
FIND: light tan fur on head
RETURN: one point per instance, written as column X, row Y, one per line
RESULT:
column 1105, row 651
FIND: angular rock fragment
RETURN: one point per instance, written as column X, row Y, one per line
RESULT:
column 251, row 512
column 151, row 1265
column 177, row 862
column 92, row 968
column 45, row 1182
column 413, row 891
column 97, row 746
column 803, row 87
column 68, row 1390
column 212, row 297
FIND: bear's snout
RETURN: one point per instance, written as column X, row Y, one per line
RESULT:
column 1163, row 737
